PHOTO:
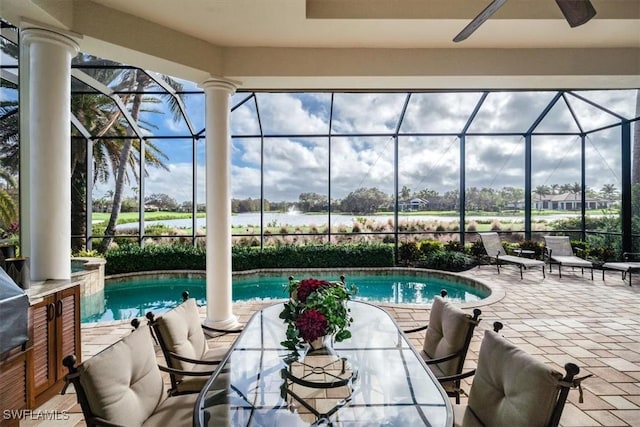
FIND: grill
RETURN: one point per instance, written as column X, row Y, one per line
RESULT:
column 14, row 306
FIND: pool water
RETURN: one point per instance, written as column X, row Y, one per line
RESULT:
column 138, row 296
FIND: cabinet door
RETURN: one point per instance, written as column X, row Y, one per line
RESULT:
column 67, row 326
column 43, row 329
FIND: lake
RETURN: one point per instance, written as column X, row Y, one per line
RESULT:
column 300, row 219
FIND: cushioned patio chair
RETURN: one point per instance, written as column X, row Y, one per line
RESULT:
column 511, row 388
column 627, row 267
column 495, row 251
column 184, row 346
column 122, row 385
column 446, row 341
column 558, row 251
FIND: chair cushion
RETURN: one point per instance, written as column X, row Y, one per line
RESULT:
column 446, row 334
column 174, row 411
column 464, row 417
column 123, row 383
column 510, row 387
column 181, row 331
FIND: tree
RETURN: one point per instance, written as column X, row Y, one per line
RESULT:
column 609, row 192
column 405, row 193
column 542, row 191
column 636, row 144
column 102, row 119
column 365, row 201
column 134, row 82
column 162, row 201
column 312, row 202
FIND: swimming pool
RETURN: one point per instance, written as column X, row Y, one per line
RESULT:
column 134, row 296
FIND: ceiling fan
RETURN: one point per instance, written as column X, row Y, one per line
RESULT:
column 576, row 12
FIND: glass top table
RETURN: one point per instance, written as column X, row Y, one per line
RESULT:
column 373, row 378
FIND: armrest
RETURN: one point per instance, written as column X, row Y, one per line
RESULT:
column 195, row 361
column 419, row 328
column 185, row 373
column 442, row 359
column 457, row 377
column 221, row 331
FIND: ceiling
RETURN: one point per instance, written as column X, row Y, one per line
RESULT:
column 354, row 44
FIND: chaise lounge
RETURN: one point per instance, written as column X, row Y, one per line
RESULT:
column 627, row 267
column 559, row 251
column 495, row 251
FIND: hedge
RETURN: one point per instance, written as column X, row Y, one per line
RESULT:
column 132, row 258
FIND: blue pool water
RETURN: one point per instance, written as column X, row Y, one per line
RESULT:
column 136, row 297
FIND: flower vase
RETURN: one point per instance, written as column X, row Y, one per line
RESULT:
column 321, row 345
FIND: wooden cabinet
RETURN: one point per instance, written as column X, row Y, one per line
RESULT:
column 54, row 325
column 14, row 379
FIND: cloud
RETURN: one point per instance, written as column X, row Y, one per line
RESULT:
column 295, row 162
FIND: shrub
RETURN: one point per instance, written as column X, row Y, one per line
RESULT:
column 454, row 246
column 450, row 261
column 408, row 252
column 429, row 246
column 530, row 245
column 131, row 258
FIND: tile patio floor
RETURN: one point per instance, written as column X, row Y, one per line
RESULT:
column 595, row 324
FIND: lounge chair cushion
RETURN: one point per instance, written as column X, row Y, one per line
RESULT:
column 123, row 383
column 181, row 331
column 446, row 334
column 511, row 388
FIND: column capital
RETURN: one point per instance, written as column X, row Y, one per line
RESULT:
column 30, row 35
column 219, row 83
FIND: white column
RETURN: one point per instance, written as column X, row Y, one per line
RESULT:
column 218, row 198
column 47, row 163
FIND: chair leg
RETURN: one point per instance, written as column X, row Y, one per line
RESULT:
column 520, row 272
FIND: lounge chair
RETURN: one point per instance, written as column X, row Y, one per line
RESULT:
column 559, row 251
column 447, row 340
column 495, row 250
column 512, row 388
column 627, row 267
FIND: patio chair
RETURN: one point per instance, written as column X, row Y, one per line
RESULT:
column 183, row 342
column 627, row 267
column 446, row 341
column 495, row 250
column 558, row 250
column 123, row 385
column 512, row 388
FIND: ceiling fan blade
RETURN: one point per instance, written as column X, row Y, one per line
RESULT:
column 479, row 20
column 577, row 12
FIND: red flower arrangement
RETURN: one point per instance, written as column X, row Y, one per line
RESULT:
column 311, row 324
column 316, row 308
column 307, row 286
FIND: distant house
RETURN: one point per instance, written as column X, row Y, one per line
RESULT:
column 568, row 202
column 415, row 204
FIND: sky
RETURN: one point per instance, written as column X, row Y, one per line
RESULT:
column 297, row 163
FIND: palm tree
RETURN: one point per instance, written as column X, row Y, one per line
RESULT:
column 135, row 81
column 111, row 157
column 8, row 193
column 636, row 143
column 542, row 191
